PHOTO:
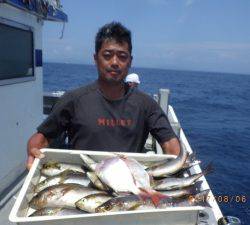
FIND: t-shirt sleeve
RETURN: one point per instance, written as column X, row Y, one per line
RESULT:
column 59, row 119
column 158, row 123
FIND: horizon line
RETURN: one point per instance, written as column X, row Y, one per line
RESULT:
column 181, row 70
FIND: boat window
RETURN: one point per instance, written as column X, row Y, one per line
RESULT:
column 16, row 53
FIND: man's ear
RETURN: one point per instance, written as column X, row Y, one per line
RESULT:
column 95, row 57
column 130, row 61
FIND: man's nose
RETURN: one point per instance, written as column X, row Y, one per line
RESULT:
column 114, row 61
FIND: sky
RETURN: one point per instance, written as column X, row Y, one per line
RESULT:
column 200, row 35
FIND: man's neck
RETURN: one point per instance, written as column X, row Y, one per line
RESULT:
column 111, row 91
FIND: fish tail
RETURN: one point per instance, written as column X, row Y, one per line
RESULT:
column 202, row 198
column 191, row 157
column 197, row 187
column 208, row 169
column 191, row 190
column 155, row 196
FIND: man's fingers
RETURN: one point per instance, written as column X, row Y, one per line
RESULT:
column 35, row 152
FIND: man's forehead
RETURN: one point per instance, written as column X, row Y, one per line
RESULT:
column 115, row 45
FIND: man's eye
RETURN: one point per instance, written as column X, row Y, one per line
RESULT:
column 123, row 57
column 107, row 55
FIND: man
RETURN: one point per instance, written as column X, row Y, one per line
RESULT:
column 132, row 80
column 106, row 115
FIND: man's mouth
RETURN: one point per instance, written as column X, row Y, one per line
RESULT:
column 113, row 72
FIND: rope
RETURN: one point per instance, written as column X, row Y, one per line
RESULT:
column 61, row 37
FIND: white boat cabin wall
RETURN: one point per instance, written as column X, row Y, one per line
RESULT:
column 21, row 82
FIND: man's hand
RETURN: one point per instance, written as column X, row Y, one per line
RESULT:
column 32, row 154
column 35, row 143
column 171, row 147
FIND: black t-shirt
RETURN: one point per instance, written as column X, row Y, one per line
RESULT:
column 95, row 123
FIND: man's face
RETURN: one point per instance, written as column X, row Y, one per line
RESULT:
column 113, row 61
column 132, row 84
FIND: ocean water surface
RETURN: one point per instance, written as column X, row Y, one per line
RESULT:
column 214, row 111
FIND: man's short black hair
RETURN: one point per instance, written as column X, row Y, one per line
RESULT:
column 113, row 31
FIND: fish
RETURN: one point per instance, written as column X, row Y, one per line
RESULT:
column 190, row 161
column 91, row 202
column 88, row 162
column 199, row 199
column 96, row 182
column 186, row 165
column 53, row 168
column 124, row 174
column 177, row 183
column 183, row 192
column 149, row 164
column 124, row 203
column 180, row 192
column 133, row 202
column 66, row 177
column 61, row 195
column 56, row 212
column 170, row 167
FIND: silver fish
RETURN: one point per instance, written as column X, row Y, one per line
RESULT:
column 176, row 183
column 133, row 202
column 190, row 161
column 180, row 192
column 124, row 174
column 53, row 168
column 56, row 212
column 149, row 164
column 170, row 167
column 62, row 195
column 91, row 202
column 124, row 203
column 199, row 199
column 66, row 177
column 97, row 182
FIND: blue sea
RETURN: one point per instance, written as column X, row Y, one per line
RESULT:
column 214, row 111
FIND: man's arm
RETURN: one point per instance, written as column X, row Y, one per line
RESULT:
column 35, row 143
column 171, row 147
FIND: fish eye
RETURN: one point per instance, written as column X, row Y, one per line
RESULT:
column 44, row 182
column 108, row 207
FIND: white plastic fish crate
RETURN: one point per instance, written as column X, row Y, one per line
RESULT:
column 169, row 216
